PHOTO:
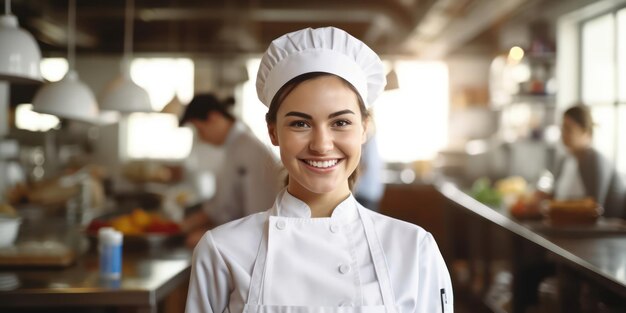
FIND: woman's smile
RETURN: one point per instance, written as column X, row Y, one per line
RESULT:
column 321, row 166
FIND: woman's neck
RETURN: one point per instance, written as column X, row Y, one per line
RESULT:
column 321, row 204
column 580, row 151
column 580, row 148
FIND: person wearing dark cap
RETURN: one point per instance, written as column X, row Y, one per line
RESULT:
column 246, row 182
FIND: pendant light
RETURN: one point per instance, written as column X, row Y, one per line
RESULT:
column 68, row 98
column 19, row 52
column 122, row 94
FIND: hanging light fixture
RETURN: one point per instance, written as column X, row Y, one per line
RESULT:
column 123, row 94
column 68, row 98
column 19, row 52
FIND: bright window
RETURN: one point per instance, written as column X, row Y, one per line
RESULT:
column 621, row 148
column 598, row 60
column 253, row 111
column 163, row 79
column 603, row 82
column 412, row 121
column 157, row 135
column 621, row 87
column 603, row 132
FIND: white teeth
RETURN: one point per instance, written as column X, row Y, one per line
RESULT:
column 322, row 164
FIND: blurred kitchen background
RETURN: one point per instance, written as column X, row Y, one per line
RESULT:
column 477, row 80
column 476, row 91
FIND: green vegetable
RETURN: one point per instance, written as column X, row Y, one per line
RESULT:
column 485, row 193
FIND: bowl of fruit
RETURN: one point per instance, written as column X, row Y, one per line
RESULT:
column 140, row 228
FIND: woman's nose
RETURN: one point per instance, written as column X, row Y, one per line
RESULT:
column 321, row 141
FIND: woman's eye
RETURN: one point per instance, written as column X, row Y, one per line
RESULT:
column 298, row 124
column 341, row 123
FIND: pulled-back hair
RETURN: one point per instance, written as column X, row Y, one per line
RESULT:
column 581, row 115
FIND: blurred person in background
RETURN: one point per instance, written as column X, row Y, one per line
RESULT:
column 584, row 172
column 247, row 180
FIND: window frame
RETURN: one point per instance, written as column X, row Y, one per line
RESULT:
column 615, row 103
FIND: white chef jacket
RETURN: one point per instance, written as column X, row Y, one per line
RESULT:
column 329, row 266
column 569, row 185
column 248, row 179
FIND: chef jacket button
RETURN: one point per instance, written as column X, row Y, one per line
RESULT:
column 344, row 269
column 334, row 228
column 281, row 224
column 346, row 304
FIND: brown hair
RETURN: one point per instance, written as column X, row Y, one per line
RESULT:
column 581, row 115
column 287, row 88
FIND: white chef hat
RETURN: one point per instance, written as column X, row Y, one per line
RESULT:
column 330, row 50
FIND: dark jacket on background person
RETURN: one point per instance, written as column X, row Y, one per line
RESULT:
column 602, row 182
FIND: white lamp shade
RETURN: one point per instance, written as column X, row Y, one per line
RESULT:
column 68, row 98
column 124, row 96
column 19, row 53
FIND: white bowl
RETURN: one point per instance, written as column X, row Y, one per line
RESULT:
column 9, row 226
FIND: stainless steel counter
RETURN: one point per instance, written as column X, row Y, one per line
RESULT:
column 147, row 278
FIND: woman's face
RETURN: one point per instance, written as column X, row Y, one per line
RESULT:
column 573, row 135
column 319, row 129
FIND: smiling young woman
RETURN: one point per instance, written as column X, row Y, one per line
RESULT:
column 317, row 249
column 320, row 126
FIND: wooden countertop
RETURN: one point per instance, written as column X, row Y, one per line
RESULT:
column 601, row 257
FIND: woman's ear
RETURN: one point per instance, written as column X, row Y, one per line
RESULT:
column 366, row 124
column 271, row 130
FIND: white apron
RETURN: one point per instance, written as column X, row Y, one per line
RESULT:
column 255, row 305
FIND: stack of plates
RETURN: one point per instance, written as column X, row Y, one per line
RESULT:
column 8, row 281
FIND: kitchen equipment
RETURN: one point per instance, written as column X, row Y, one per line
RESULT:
column 9, row 227
column 11, row 171
column 37, row 253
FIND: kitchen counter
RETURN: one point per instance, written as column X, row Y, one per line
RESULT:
column 148, row 277
column 595, row 256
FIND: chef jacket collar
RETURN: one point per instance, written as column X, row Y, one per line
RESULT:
column 290, row 206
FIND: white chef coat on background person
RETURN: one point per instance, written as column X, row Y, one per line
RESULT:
column 569, row 185
column 200, row 167
column 247, row 181
column 354, row 261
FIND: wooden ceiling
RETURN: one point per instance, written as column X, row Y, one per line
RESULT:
column 423, row 28
column 215, row 26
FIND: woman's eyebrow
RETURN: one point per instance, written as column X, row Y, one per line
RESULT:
column 340, row 113
column 309, row 117
column 299, row 114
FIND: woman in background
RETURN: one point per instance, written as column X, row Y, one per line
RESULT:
column 584, row 172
